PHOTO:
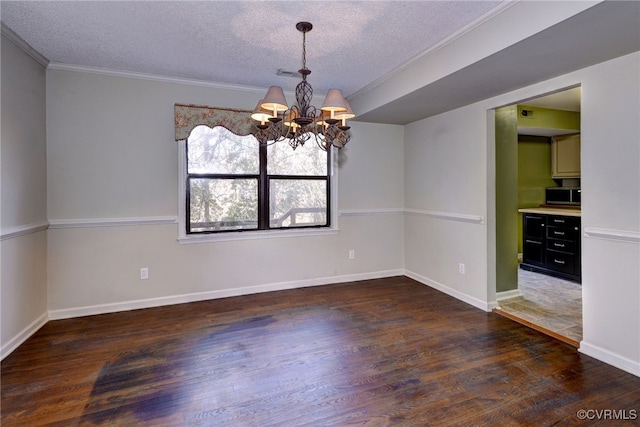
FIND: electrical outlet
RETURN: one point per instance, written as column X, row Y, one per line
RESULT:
column 352, row 254
column 144, row 273
column 461, row 268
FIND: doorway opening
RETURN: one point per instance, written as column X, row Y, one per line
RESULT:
column 547, row 296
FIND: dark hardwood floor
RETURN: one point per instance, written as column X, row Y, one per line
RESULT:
column 370, row 353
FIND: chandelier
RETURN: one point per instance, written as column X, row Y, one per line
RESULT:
column 303, row 121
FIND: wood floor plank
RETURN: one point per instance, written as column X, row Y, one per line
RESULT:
column 371, row 353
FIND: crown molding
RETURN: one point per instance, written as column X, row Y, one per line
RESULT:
column 23, row 45
column 440, row 45
column 151, row 77
column 162, row 79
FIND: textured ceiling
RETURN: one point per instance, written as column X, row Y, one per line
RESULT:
column 353, row 43
column 604, row 31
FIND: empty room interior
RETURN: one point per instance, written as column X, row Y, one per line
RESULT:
column 320, row 213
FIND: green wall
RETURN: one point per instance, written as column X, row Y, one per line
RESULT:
column 546, row 118
column 534, row 174
column 506, row 198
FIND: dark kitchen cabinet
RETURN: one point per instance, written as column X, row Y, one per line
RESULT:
column 534, row 239
column 551, row 245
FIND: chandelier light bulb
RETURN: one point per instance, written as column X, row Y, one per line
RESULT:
column 260, row 114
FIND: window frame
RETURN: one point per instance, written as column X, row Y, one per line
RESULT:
column 263, row 214
column 213, row 176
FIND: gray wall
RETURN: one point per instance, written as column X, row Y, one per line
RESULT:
column 23, row 285
column 112, row 159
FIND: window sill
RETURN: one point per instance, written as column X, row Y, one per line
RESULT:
column 255, row 235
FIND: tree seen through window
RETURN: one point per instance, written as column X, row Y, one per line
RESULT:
column 235, row 184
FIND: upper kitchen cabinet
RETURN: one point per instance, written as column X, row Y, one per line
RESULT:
column 565, row 156
column 563, row 127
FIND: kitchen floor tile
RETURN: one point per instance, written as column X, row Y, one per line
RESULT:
column 554, row 304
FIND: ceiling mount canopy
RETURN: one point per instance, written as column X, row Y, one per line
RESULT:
column 303, row 121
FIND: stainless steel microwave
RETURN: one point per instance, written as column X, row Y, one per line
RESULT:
column 563, row 196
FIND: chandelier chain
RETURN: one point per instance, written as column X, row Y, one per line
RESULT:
column 304, row 53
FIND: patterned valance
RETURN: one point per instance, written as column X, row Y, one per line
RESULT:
column 188, row 117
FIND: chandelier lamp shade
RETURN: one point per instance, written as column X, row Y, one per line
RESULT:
column 303, row 121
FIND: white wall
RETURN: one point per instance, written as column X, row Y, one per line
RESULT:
column 450, row 167
column 611, row 211
column 445, row 184
column 23, row 285
column 111, row 154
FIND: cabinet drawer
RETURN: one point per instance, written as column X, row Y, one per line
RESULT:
column 563, row 233
column 563, row 221
column 560, row 261
column 562, row 245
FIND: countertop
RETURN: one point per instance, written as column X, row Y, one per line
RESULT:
column 553, row 211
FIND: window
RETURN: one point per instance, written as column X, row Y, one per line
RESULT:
column 234, row 184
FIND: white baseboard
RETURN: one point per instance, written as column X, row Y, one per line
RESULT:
column 23, row 335
column 631, row 366
column 223, row 293
column 482, row 305
column 503, row 295
column 508, row 294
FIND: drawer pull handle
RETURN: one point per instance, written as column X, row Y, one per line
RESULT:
column 559, row 233
column 559, row 245
column 559, row 221
column 558, row 261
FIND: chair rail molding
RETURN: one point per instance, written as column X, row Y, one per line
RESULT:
column 453, row 216
column 22, row 230
column 111, row 222
column 628, row 236
column 371, row 212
